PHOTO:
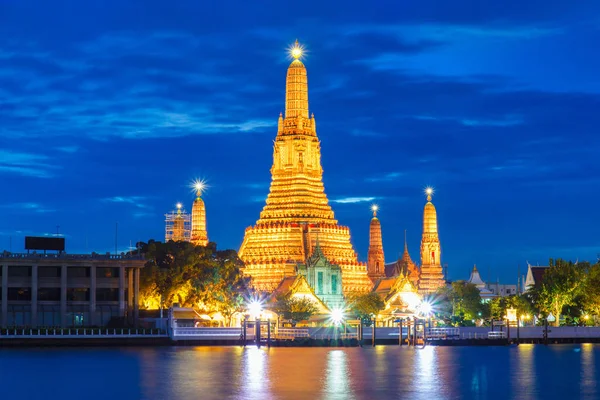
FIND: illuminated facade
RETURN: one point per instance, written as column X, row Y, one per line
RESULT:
column 400, row 297
column 376, row 259
column 178, row 225
column 432, row 276
column 199, row 235
column 297, row 209
column 324, row 278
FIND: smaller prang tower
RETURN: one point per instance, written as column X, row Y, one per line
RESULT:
column 177, row 225
column 432, row 276
column 199, row 235
column 376, row 259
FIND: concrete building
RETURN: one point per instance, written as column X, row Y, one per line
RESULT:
column 68, row 290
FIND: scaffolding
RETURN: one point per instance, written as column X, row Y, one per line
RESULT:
column 178, row 225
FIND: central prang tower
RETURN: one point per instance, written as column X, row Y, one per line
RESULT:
column 297, row 211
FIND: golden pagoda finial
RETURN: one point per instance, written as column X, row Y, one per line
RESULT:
column 405, row 243
column 198, row 186
column 296, row 50
column 429, row 192
column 374, row 208
column 179, row 207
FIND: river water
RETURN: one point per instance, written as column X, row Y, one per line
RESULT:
column 385, row 372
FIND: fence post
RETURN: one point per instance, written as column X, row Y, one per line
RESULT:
column 257, row 332
column 373, row 337
column 400, row 333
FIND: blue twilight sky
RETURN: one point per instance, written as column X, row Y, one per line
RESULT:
column 109, row 109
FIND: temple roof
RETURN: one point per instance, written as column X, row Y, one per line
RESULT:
column 536, row 274
column 297, row 285
column 475, row 278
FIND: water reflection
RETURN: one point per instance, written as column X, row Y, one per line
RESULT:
column 523, row 374
column 427, row 372
column 588, row 371
column 255, row 374
column 337, row 384
column 502, row 372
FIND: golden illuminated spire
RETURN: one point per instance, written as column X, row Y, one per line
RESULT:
column 297, row 210
column 376, row 259
column 431, row 269
column 429, row 215
column 199, row 235
column 296, row 51
column 296, row 88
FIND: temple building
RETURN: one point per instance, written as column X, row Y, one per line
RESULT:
column 199, row 235
column 376, row 259
column 404, row 266
column 324, row 278
column 489, row 290
column 400, row 297
column 297, row 209
column 535, row 275
column 476, row 280
column 177, row 225
column 432, row 276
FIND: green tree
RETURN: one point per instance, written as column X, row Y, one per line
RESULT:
column 193, row 276
column 590, row 300
column 499, row 305
column 364, row 306
column 295, row 309
column 460, row 304
column 562, row 284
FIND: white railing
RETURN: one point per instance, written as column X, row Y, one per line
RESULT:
column 443, row 333
column 496, row 335
column 291, row 333
column 224, row 333
column 349, row 335
column 60, row 333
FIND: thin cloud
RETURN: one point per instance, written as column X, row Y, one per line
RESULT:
column 27, row 207
column 26, row 164
column 68, row 149
column 137, row 201
column 390, row 176
column 352, row 200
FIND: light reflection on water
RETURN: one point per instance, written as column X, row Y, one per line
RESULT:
column 515, row 372
column 589, row 377
column 337, row 376
column 523, row 382
column 426, row 376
